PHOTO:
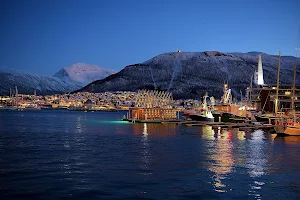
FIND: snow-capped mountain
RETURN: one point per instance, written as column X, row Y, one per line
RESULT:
column 190, row 74
column 83, row 74
column 27, row 83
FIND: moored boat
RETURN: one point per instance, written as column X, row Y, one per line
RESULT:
column 187, row 112
column 227, row 117
column 293, row 130
column 202, row 116
column 204, row 113
column 266, row 118
column 289, row 126
column 288, row 129
column 226, row 111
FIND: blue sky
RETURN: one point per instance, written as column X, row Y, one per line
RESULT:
column 43, row 36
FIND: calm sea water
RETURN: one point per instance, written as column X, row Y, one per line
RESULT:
column 78, row 155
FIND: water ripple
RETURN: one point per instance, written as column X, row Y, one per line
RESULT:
column 60, row 154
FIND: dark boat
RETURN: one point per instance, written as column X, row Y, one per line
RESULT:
column 227, row 117
column 269, row 118
column 225, row 111
column 204, row 114
column 265, row 119
column 201, row 117
column 186, row 114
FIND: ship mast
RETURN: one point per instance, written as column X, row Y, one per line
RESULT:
column 277, row 88
column 17, row 94
column 294, row 87
column 250, row 91
column 293, row 97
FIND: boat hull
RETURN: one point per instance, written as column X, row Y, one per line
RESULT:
column 289, row 130
column 227, row 117
column 293, row 131
column 265, row 120
column 200, row 118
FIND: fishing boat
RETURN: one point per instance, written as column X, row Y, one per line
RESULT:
column 226, row 111
column 204, row 113
column 227, row 117
column 187, row 112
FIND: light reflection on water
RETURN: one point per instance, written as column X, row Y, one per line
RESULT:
column 149, row 129
column 146, row 153
column 73, row 163
column 241, row 135
column 257, row 162
column 208, row 133
column 78, row 125
column 220, row 160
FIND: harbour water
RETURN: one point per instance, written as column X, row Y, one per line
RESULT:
column 77, row 155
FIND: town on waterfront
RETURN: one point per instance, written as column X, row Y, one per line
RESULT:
column 149, row 100
column 272, row 107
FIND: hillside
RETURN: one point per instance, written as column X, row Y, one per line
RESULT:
column 190, row 74
column 27, row 83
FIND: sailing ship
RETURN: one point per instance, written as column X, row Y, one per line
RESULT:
column 269, row 113
column 289, row 126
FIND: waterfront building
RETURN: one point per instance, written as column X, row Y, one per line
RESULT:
column 153, row 105
column 263, row 98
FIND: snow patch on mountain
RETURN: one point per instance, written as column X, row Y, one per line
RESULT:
column 83, row 74
column 27, row 83
column 190, row 74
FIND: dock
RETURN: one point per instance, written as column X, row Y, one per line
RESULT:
column 161, row 121
column 244, row 126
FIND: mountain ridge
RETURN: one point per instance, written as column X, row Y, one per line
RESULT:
column 28, row 82
column 44, row 85
column 190, row 74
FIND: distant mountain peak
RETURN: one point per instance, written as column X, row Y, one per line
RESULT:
column 83, row 73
